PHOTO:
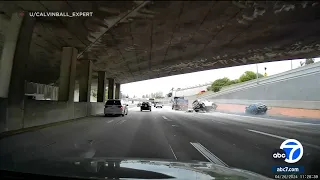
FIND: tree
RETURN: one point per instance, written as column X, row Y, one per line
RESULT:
column 94, row 93
column 307, row 61
column 143, row 96
column 235, row 81
column 249, row 75
column 209, row 88
column 158, row 95
column 219, row 83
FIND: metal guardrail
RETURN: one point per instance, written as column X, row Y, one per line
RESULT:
column 48, row 92
column 192, row 87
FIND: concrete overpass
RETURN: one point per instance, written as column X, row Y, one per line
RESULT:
column 132, row 41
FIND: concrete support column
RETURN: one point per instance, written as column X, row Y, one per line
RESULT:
column 67, row 74
column 101, row 86
column 14, row 57
column 110, row 88
column 117, row 91
column 85, row 81
column 15, row 49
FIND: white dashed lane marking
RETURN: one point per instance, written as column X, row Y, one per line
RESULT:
column 166, row 118
column 207, row 154
column 173, row 153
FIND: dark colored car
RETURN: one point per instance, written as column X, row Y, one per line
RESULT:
column 256, row 108
column 99, row 168
column 145, row 106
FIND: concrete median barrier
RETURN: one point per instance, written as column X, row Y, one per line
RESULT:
column 41, row 114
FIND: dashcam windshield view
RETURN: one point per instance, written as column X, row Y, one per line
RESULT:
column 160, row 90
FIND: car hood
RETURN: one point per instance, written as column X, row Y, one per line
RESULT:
column 120, row 168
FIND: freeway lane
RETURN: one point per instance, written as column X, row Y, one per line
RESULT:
column 231, row 141
column 166, row 134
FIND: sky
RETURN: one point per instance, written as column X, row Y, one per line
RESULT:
column 165, row 84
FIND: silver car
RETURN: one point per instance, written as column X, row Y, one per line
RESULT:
column 115, row 107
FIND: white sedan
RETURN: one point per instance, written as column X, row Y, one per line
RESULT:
column 158, row 105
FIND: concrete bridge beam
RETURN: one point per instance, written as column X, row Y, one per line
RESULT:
column 101, row 86
column 67, row 74
column 117, row 91
column 111, row 88
column 14, row 58
column 85, row 81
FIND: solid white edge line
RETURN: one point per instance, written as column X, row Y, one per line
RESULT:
column 208, row 155
column 267, row 134
column 219, row 122
column 283, row 138
column 173, row 152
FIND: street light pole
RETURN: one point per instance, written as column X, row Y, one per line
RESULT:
column 257, row 72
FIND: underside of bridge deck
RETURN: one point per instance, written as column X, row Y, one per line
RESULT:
column 139, row 40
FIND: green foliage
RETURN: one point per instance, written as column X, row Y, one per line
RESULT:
column 219, row 83
column 235, row 81
column 156, row 95
column 249, row 75
column 94, row 93
column 307, row 61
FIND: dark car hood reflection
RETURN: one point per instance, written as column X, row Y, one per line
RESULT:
column 107, row 168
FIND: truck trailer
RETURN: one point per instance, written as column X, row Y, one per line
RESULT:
column 179, row 103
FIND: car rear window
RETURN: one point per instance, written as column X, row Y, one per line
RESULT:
column 113, row 102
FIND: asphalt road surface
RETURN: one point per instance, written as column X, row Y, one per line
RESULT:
column 232, row 140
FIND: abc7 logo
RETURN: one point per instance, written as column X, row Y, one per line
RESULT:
column 279, row 155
